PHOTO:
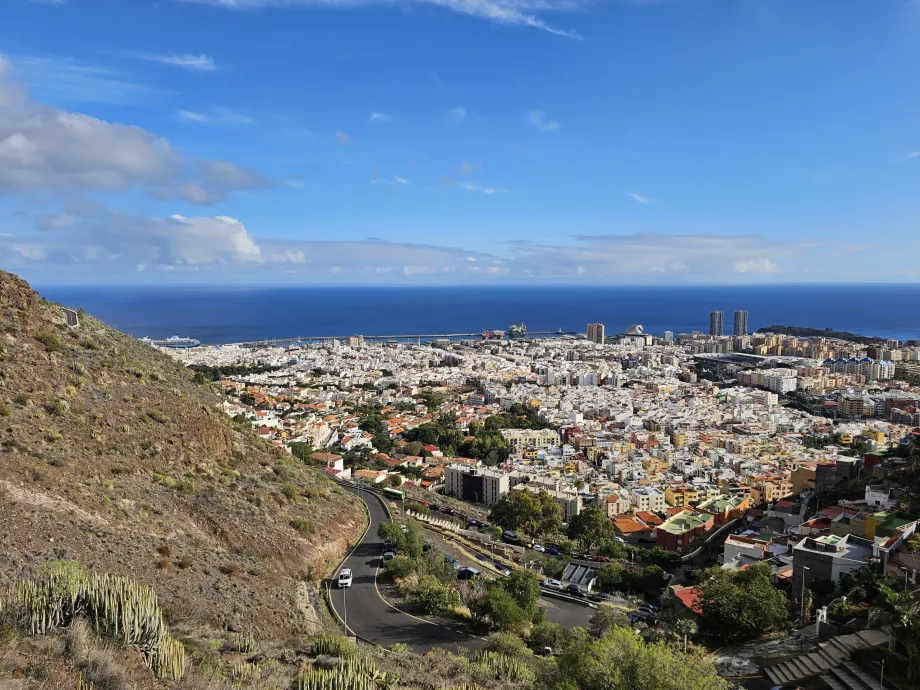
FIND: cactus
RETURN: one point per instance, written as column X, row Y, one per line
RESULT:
column 81, row 685
column 244, row 644
column 353, row 673
column 502, row 667
column 244, row 670
column 116, row 606
column 332, row 645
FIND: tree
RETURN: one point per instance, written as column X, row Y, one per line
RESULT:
column 524, row 587
column 740, row 606
column 904, row 611
column 394, row 480
column 502, row 611
column 605, row 619
column 392, row 533
column 546, row 634
column 622, row 660
column 684, row 629
column 590, row 527
column 434, row 597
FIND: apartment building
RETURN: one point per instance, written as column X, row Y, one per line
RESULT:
column 827, row 558
column 648, row 498
column 569, row 501
column 519, row 439
column 677, row 533
column 474, row 484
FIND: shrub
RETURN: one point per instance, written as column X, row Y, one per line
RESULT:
column 399, row 567
column 103, row 671
column 434, row 597
column 21, row 399
column 229, row 569
column 184, row 563
column 156, row 416
column 546, row 634
column 301, row 525
column 506, row 644
column 58, row 408
column 50, row 340
column 4, row 410
column 164, row 550
column 163, row 563
column 290, row 492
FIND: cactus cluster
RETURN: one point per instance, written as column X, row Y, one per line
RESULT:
column 332, row 645
column 115, row 606
column 244, row 670
column 244, row 643
column 352, row 673
column 501, row 666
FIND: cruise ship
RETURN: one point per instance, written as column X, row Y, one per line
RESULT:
column 173, row 341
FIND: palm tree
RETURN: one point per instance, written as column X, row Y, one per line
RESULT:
column 904, row 611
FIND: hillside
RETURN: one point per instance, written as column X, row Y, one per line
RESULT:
column 112, row 456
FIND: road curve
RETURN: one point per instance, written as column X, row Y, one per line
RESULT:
column 364, row 610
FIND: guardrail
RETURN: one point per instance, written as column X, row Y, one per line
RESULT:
column 712, row 535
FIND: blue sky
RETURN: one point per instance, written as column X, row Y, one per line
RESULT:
column 460, row 141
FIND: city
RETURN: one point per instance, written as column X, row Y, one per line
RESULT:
column 735, row 449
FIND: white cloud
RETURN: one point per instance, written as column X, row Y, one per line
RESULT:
column 473, row 187
column 401, row 180
column 638, row 197
column 216, row 116
column 44, row 149
column 200, row 63
column 456, row 116
column 65, row 79
column 379, row 118
column 520, row 12
column 905, row 158
column 757, row 266
column 538, row 120
column 121, row 242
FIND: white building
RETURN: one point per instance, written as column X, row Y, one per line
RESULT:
column 648, row 498
column 474, row 484
column 519, row 439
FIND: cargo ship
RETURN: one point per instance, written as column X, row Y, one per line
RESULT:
column 174, row 342
column 493, row 335
column 517, row 331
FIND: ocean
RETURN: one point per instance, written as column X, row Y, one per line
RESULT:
column 228, row 314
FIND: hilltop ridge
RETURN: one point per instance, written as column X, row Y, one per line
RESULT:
column 111, row 455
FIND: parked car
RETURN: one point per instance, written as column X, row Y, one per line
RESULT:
column 467, row 573
column 636, row 618
column 345, row 578
column 510, row 537
column 389, row 555
column 504, row 570
column 447, row 510
column 434, row 506
column 552, row 584
column 619, row 540
column 601, row 596
column 575, row 591
column 473, row 522
column 650, row 607
column 553, row 551
column 453, row 561
column 539, row 548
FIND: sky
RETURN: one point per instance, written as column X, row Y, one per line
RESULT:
column 424, row 142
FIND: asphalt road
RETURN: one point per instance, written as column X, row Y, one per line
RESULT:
column 370, row 617
column 364, row 610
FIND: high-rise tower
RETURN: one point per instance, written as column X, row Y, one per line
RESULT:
column 716, row 322
column 741, row 323
column 596, row 333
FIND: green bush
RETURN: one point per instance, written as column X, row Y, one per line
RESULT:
column 400, row 567
column 50, row 340
column 546, row 634
column 4, row 410
column 301, row 525
column 434, row 597
column 332, row 645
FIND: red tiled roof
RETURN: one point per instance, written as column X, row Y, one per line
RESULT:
column 690, row 597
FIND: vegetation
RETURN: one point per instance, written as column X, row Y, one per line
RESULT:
column 648, row 580
column 740, row 606
column 207, row 374
column 528, row 513
column 804, row 332
column 509, row 604
column 622, row 660
column 590, row 527
column 115, row 606
column 635, row 554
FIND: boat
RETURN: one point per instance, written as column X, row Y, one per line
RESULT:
column 517, row 331
column 493, row 335
column 174, row 342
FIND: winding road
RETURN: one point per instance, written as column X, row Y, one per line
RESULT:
column 368, row 616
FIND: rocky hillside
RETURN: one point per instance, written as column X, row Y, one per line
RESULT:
column 112, row 456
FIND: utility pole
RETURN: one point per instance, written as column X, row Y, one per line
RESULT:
column 802, row 606
column 881, row 678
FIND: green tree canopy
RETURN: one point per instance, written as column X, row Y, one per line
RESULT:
column 590, row 527
column 622, row 660
column 528, row 513
column 740, row 606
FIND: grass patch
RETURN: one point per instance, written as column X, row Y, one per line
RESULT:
column 50, row 340
column 302, row 526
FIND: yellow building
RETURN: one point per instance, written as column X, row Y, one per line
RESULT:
column 681, row 496
column 803, row 478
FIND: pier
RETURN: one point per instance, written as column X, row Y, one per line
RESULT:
column 417, row 337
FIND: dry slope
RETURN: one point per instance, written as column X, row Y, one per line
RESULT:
column 111, row 455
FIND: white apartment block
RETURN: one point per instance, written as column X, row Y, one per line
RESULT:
column 519, row 439
column 569, row 501
column 648, row 498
